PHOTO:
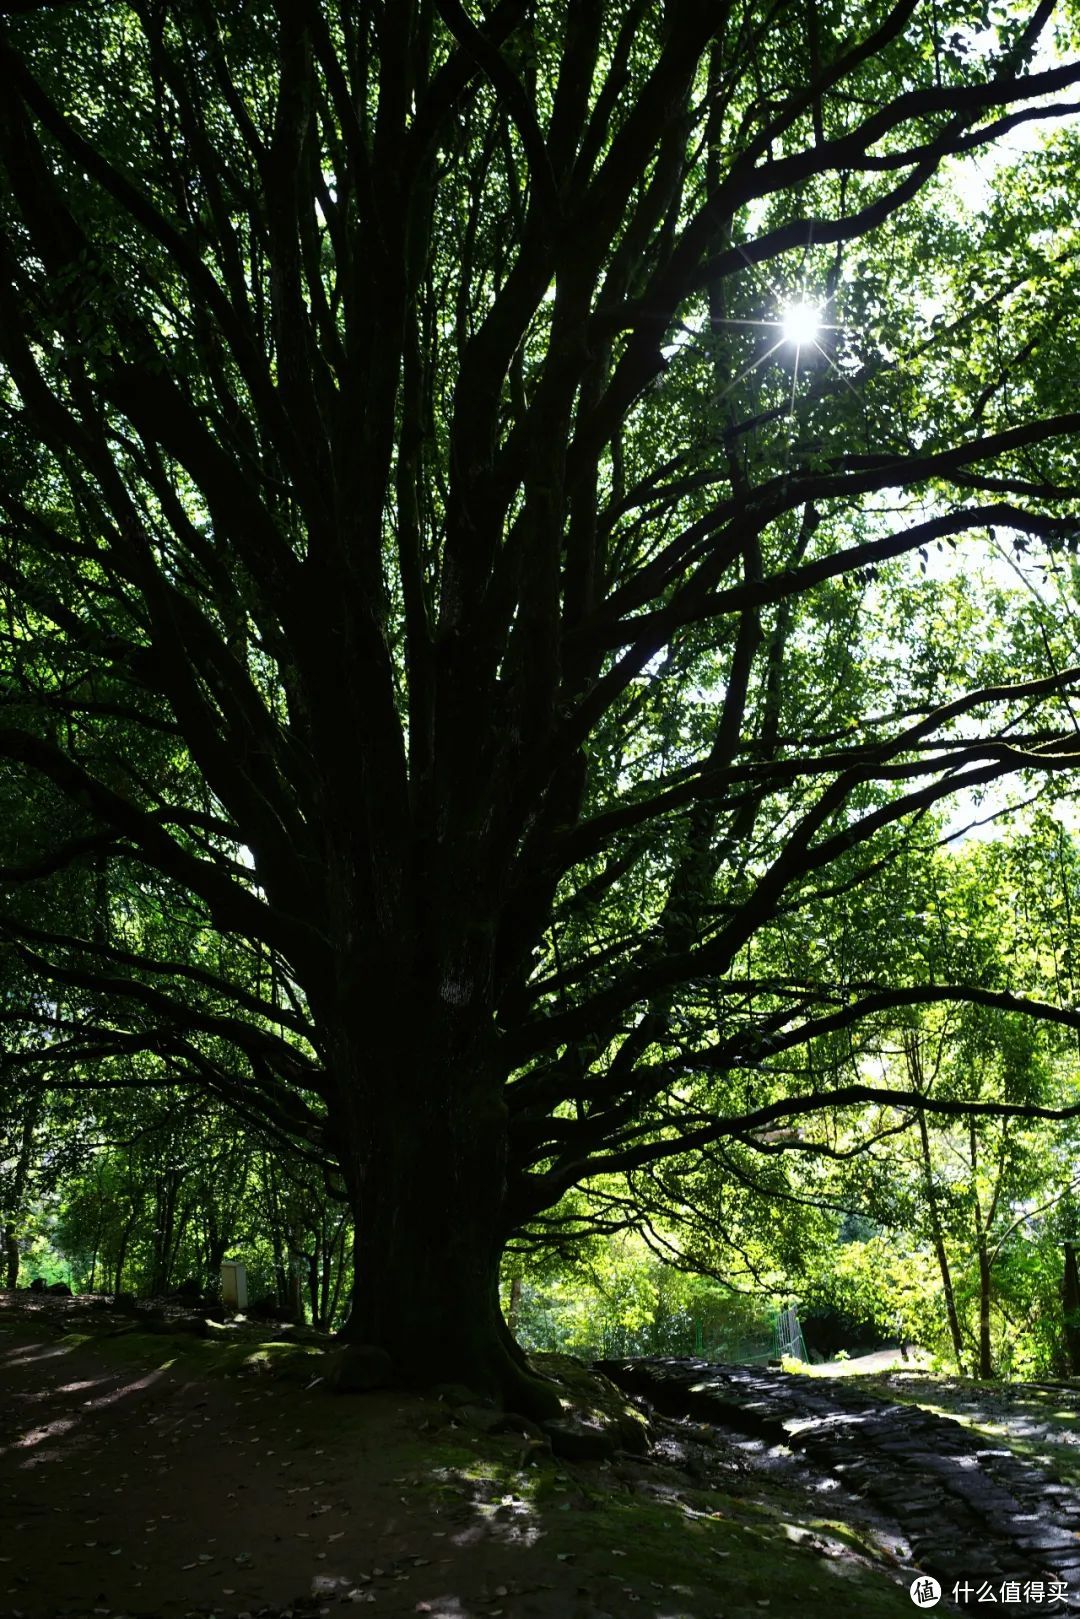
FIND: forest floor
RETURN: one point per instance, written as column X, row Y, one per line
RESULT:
column 159, row 1476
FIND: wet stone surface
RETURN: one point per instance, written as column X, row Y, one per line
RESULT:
column 964, row 1507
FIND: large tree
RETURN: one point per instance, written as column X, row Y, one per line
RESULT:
column 462, row 655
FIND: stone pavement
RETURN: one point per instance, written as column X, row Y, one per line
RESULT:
column 967, row 1508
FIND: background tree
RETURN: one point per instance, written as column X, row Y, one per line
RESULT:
column 947, row 1229
column 465, row 481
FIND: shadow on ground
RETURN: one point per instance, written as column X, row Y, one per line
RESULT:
column 149, row 1475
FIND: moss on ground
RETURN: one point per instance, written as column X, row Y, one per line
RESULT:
column 604, row 1531
column 712, row 1552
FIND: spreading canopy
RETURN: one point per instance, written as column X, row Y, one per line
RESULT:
column 457, row 621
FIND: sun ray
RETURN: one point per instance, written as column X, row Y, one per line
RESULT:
column 753, row 366
column 844, row 379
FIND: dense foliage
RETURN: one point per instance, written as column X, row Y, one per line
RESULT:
column 483, row 679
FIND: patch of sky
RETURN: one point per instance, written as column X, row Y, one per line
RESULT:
column 652, row 668
column 973, row 178
column 686, row 330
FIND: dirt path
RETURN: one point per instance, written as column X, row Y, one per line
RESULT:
column 151, row 1488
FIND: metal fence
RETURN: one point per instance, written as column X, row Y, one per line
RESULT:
column 746, row 1348
column 788, row 1334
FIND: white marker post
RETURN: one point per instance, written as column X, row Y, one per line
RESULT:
column 234, row 1285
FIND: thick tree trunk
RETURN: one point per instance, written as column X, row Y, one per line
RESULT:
column 425, row 1168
